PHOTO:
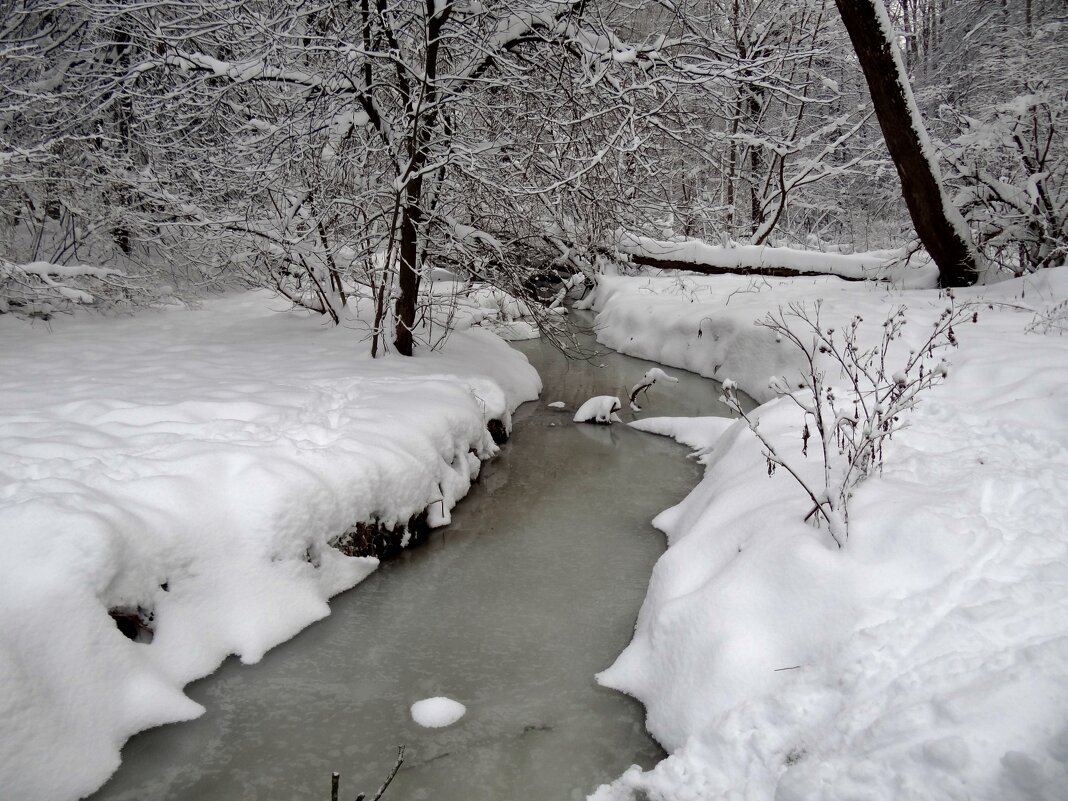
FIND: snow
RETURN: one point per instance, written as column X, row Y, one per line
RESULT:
column 195, row 463
column 557, row 405
column 468, row 234
column 40, row 275
column 697, row 432
column 509, row 317
column 668, row 320
column 876, row 264
column 599, row 409
column 928, row 657
column 44, row 268
column 652, row 375
column 435, row 713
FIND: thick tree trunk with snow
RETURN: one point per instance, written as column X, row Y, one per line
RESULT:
column 938, row 223
column 408, row 280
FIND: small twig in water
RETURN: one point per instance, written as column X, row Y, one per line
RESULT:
column 335, row 780
column 392, row 773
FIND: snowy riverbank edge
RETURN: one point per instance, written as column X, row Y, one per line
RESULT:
column 195, row 463
column 928, row 658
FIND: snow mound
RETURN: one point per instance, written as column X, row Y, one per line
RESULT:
column 437, row 712
column 701, row 433
column 599, row 409
column 557, row 405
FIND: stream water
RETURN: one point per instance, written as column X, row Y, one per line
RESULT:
column 511, row 610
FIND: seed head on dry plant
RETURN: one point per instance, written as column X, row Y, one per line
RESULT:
column 854, row 396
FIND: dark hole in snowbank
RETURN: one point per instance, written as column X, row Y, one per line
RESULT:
column 497, row 431
column 375, row 539
column 136, row 623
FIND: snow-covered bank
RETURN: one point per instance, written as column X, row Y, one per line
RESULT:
column 929, row 657
column 195, row 463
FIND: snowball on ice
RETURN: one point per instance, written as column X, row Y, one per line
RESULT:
column 437, row 712
column 599, row 409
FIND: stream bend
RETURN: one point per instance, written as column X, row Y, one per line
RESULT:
column 511, row 610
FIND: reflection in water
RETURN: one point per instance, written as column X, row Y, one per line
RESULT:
column 605, row 436
column 511, row 610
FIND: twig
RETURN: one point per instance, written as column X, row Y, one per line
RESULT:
column 392, row 773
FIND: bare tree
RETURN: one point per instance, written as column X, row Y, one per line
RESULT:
column 938, row 222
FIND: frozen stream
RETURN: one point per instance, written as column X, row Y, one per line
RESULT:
column 511, row 610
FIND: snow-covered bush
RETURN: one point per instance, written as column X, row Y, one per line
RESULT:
column 1012, row 163
column 852, row 422
column 452, row 305
column 39, row 288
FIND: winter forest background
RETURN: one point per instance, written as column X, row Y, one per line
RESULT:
column 338, row 151
column 862, row 597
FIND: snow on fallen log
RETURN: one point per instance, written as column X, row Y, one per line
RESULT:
column 599, row 409
column 697, row 256
column 651, row 377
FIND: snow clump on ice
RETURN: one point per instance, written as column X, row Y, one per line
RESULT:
column 599, row 409
column 437, row 712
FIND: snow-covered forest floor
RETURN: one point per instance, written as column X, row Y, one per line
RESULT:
column 928, row 658
column 195, row 463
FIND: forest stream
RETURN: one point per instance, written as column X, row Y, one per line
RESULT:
column 510, row 610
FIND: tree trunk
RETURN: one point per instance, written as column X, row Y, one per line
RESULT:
column 645, row 260
column 423, row 122
column 938, row 223
column 408, row 281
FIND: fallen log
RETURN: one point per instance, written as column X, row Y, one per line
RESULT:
column 696, row 256
column 712, row 269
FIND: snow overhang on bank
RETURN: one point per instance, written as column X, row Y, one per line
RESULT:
column 188, row 468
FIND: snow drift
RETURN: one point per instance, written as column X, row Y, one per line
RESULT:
column 927, row 658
